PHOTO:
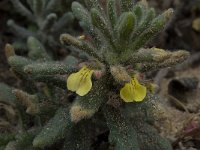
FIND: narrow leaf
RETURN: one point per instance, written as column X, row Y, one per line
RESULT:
column 112, row 12
column 55, row 130
column 36, row 49
column 122, row 135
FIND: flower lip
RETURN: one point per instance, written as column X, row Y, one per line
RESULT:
column 80, row 82
column 133, row 91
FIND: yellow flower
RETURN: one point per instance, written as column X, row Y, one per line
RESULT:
column 80, row 82
column 133, row 91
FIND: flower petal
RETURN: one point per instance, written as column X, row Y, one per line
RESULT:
column 126, row 93
column 73, row 81
column 139, row 91
column 85, row 84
